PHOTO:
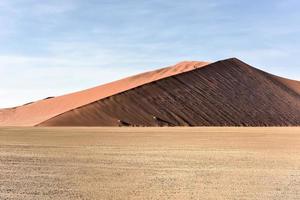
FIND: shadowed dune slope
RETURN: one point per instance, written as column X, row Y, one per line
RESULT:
column 224, row 93
column 34, row 113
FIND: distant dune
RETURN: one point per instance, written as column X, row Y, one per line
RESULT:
column 224, row 93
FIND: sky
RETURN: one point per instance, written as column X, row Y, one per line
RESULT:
column 53, row 47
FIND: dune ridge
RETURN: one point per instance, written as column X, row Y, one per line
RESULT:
column 36, row 112
column 225, row 93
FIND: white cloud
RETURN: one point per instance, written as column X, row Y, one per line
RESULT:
column 53, row 47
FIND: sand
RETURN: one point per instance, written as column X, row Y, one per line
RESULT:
column 37, row 112
column 150, row 163
column 224, row 93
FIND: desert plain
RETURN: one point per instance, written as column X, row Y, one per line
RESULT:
column 150, row 163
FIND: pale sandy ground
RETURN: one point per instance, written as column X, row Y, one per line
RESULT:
column 150, row 163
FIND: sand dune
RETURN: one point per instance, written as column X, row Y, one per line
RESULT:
column 37, row 112
column 224, row 93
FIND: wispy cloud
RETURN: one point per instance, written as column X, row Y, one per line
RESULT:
column 51, row 47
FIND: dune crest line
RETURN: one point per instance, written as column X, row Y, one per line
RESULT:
column 225, row 93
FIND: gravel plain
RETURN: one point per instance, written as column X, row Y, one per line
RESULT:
column 150, row 163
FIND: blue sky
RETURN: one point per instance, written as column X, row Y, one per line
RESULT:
column 51, row 47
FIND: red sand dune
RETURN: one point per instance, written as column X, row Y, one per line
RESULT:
column 37, row 112
column 224, row 93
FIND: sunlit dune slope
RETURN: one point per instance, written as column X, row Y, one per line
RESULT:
column 225, row 93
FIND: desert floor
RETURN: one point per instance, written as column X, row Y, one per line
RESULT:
column 150, row 163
